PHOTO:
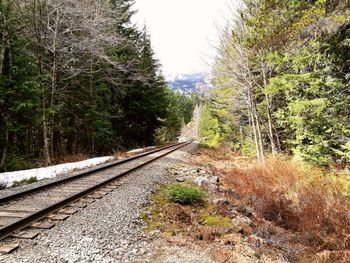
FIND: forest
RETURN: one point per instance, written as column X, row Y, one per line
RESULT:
column 281, row 82
column 78, row 77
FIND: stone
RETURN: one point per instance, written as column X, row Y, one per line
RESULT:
column 199, row 180
column 209, row 184
column 221, row 201
column 241, row 221
column 180, row 179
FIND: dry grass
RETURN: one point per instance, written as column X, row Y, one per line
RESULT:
column 308, row 201
column 332, row 257
column 71, row 158
column 121, row 155
column 175, row 214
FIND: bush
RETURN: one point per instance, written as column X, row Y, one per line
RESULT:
column 185, row 195
column 18, row 162
column 310, row 201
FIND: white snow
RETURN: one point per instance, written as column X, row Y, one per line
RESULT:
column 51, row 171
column 140, row 150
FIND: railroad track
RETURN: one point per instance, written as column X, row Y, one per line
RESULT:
column 39, row 207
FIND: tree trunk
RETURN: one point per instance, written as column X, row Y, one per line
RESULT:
column 6, row 142
column 277, row 139
column 268, row 111
column 54, row 82
column 91, row 82
column 256, row 126
column 46, row 151
column 270, row 123
column 258, row 130
column 258, row 156
column 5, row 72
column 5, row 54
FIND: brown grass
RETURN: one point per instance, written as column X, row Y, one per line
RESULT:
column 175, row 213
column 332, row 257
column 222, row 153
column 71, row 158
column 308, row 201
column 120, row 155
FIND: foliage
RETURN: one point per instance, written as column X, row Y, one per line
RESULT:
column 216, row 124
column 178, row 113
column 287, row 66
column 79, row 78
column 185, row 195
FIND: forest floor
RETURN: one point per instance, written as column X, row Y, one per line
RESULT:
column 227, row 228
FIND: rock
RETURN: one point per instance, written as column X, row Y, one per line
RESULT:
column 247, row 211
column 180, row 179
column 199, row 180
column 241, row 221
column 221, row 201
column 209, row 184
column 211, row 187
column 214, row 179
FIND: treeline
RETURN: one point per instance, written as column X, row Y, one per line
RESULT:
column 76, row 77
column 281, row 81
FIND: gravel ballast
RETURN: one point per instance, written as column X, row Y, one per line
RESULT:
column 108, row 230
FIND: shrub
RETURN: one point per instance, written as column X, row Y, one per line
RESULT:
column 185, row 195
column 18, row 162
column 25, row 181
column 310, row 201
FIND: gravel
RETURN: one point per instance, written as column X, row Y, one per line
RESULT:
column 108, row 230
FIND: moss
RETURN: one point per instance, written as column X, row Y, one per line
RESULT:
column 143, row 216
column 25, row 181
column 154, row 220
column 219, row 221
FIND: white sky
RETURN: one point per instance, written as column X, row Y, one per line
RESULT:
column 184, row 32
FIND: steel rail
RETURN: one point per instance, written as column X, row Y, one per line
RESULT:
column 99, row 168
column 28, row 220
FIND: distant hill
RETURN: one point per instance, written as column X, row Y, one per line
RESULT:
column 186, row 83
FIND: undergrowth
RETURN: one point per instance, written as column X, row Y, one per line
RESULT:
column 191, row 216
column 71, row 158
column 310, row 201
column 185, row 195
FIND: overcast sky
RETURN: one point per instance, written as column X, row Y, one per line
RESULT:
column 183, row 32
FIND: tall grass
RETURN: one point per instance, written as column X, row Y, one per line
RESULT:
column 306, row 200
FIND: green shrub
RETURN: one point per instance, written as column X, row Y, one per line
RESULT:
column 185, row 195
column 25, row 181
column 18, row 162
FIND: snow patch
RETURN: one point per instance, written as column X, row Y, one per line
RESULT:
column 140, row 150
column 51, row 171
